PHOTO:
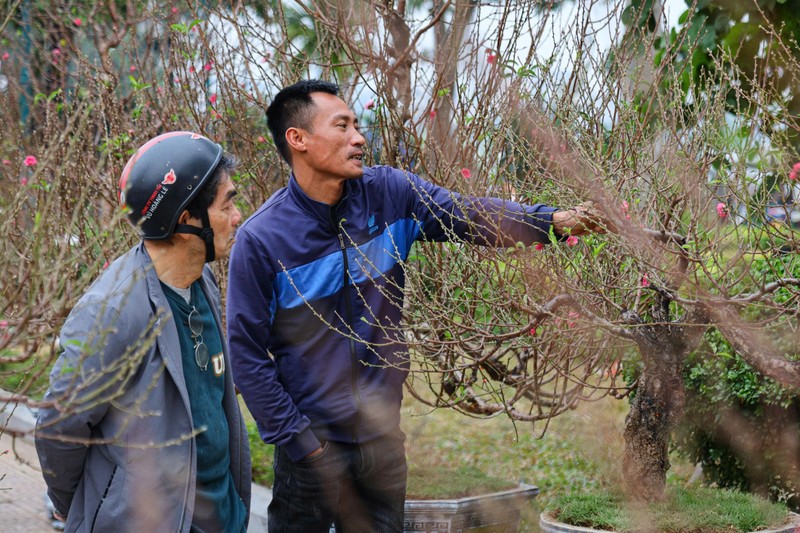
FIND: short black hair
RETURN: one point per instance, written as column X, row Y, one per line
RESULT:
column 227, row 166
column 290, row 109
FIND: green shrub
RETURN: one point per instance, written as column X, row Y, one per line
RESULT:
column 737, row 424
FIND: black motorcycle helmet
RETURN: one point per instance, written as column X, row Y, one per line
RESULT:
column 161, row 179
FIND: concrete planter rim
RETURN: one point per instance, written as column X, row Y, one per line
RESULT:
column 489, row 511
column 522, row 490
column 551, row 525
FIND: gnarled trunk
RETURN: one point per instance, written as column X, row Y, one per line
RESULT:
column 657, row 406
column 655, row 410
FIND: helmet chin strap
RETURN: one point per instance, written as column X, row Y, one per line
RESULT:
column 205, row 233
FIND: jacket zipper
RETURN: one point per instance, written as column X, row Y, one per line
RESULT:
column 348, row 309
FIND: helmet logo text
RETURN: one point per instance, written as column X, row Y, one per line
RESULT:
column 155, row 199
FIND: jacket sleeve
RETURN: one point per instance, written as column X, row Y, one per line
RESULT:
column 250, row 312
column 444, row 215
column 90, row 371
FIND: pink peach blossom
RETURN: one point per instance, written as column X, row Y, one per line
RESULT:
column 370, row 104
column 795, row 171
column 6, row 162
column 572, row 240
column 213, row 99
column 432, row 114
column 538, row 247
column 23, row 181
column 261, row 139
column 30, row 161
column 77, row 21
column 625, row 210
column 722, row 210
column 465, row 172
column 574, row 316
column 491, row 58
column 645, row 281
column 5, row 56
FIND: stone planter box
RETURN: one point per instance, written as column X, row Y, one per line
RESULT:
column 548, row 524
column 498, row 512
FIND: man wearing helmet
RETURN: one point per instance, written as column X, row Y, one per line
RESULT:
column 141, row 429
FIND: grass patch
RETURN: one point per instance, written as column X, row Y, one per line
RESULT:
column 595, row 510
column 424, row 482
column 694, row 509
column 261, row 454
column 447, row 450
column 29, row 377
column 436, row 483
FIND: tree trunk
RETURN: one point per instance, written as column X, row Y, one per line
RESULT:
column 441, row 144
column 655, row 410
column 658, row 404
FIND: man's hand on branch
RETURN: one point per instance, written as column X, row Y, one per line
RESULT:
column 579, row 220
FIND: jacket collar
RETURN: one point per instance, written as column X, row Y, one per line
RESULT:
column 169, row 345
column 156, row 295
column 313, row 208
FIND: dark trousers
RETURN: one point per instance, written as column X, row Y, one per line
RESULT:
column 356, row 487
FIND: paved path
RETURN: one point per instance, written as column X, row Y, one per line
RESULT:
column 22, row 489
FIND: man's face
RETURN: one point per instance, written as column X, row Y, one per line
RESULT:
column 224, row 216
column 334, row 142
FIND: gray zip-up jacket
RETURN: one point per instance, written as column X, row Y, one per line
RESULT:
column 117, row 448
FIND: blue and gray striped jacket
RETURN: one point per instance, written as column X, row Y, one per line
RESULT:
column 315, row 298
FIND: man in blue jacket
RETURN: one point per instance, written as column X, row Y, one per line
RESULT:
column 141, row 430
column 315, row 297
